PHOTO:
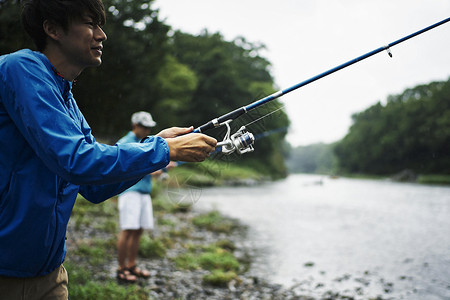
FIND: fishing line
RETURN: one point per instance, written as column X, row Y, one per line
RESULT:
column 266, row 115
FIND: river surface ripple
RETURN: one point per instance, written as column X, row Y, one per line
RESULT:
column 362, row 238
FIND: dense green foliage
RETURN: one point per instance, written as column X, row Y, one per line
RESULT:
column 411, row 131
column 12, row 35
column 180, row 78
column 230, row 75
column 127, row 80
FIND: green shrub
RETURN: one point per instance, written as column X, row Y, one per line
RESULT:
column 434, row 179
column 220, row 259
column 219, row 277
column 108, row 226
column 181, row 233
column 94, row 254
column 78, row 275
column 187, row 261
column 151, row 247
column 108, row 290
column 213, row 221
column 81, row 287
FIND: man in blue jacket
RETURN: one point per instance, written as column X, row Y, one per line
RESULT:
column 48, row 154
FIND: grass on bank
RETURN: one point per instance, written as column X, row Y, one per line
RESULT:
column 87, row 259
column 214, row 221
column 222, row 265
column 213, row 173
column 440, row 179
column 82, row 287
column 216, row 258
column 434, row 179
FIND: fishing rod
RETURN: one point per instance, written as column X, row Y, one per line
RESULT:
column 242, row 141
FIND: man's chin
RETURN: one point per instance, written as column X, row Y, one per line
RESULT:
column 95, row 63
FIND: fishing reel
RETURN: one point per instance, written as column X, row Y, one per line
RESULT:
column 242, row 141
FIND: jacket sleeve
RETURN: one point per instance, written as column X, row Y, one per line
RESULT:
column 57, row 132
column 100, row 193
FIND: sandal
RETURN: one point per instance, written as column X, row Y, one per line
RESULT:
column 125, row 276
column 134, row 270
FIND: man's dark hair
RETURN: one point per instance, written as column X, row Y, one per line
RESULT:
column 59, row 12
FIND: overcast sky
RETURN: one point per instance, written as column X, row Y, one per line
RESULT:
column 307, row 37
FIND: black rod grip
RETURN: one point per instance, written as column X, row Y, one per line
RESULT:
column 228, row 116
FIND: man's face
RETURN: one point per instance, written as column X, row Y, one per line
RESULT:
column 82, row 43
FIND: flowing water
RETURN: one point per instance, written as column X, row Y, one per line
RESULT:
column 361, row 238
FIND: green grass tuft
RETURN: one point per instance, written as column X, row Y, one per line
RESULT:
column 150, row 248
column 219, row 278
column 434, row 179
column 213, row 221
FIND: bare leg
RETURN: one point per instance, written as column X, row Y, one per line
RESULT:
column 122, row 252
column 133, row 249
column 122, row 242
column 133, row 246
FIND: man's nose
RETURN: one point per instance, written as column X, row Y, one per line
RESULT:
column 99, row 34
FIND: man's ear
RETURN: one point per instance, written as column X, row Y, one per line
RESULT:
column 51, row 29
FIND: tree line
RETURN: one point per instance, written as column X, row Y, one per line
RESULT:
column 411, row 131
column 182, row 79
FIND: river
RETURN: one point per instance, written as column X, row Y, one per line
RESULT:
column 361, row 238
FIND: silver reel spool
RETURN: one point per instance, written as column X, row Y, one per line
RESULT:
column 242, row 141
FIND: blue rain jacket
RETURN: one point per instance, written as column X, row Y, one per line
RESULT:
column 47, row 156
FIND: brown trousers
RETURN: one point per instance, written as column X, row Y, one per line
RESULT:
column 52, row 286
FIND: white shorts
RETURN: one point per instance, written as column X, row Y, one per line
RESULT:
column 135, row 211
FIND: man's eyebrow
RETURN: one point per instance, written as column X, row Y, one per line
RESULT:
column 94, row 18
column 89, row 19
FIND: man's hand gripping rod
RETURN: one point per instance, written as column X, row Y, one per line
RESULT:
column 242, row 141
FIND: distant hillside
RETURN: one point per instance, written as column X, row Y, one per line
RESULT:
column 316, row 158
